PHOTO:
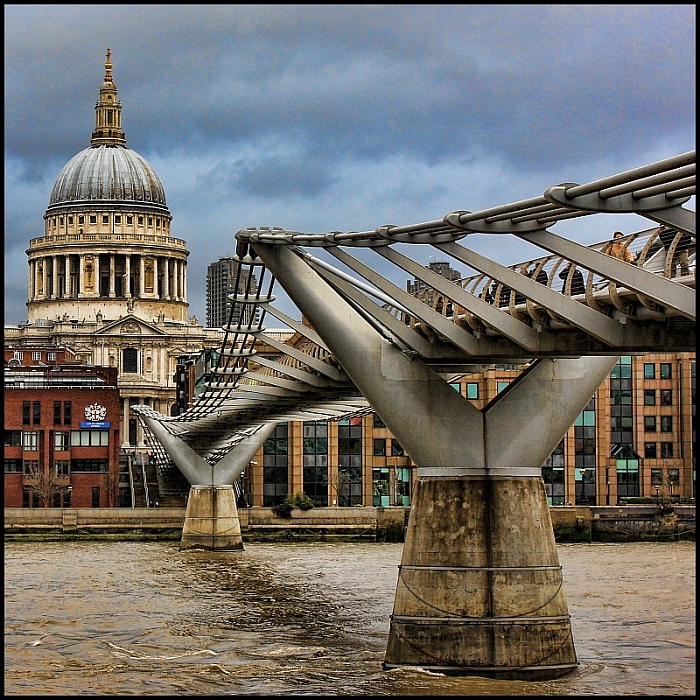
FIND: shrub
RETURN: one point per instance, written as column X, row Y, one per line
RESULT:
column 301, row 501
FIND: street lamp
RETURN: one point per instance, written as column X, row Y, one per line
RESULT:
column 583, row 486
column 656, row 486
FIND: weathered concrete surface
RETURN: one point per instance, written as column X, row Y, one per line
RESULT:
column 480, row 585
column 211, row 519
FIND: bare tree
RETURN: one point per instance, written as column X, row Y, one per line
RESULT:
column 45, row 484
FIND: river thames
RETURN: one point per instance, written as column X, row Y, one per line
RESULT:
column 143, row 618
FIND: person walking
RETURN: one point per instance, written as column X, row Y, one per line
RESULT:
column 577, row 284
column 617, row 248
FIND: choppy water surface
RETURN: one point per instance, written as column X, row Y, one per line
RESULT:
column 135, row 618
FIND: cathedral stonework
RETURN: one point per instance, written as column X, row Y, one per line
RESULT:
column 107, row 278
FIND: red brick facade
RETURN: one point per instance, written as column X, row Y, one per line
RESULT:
column 55, row 454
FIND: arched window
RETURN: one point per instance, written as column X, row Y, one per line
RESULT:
column 130, row 360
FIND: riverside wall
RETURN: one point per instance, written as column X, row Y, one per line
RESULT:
column 570, row 523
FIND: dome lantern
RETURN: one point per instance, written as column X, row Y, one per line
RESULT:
column 108, row 113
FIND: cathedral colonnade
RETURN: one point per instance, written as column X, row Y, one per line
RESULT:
column 109, row 275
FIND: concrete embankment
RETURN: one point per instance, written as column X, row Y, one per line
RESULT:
column 571, row 523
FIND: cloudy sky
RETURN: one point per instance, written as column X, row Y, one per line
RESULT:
column 343, row 117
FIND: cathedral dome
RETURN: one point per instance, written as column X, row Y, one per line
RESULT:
column 108, row 173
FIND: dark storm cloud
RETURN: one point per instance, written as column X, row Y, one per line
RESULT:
column 342, row 116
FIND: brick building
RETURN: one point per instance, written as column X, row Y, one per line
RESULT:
column 61, row 428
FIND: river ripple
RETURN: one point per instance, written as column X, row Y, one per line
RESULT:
column 143, row 618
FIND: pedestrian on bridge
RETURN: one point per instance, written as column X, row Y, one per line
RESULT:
column 577, row 284
column 618, row 249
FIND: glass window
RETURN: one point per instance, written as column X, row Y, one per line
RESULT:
column 26, row 412
column 665, row 370
column 67, row 412
column 89, row 465
column 51, row 357
column 13, row 466
column 36, row 412
column 666, row 397
column 349, row 486
column 472, row 390
column 666, row 424
column 501, row 386
column 89, row 438
column 130, row 360
column 378, row 422
column 656, row 477
column 81, row 219
column 380, row 487
column 379, row 447
column 13, row 438
column 129, row 220
column 30, row 440
column 674, row 476
column 649, row 424
column 36, row 355
column 650, row 451
column 396, row 449
column 117, row 219
column 57, row 413
column 649, row 370
column 666, row 450
column 105, row 219
column 62, row 467
column 93, row 219
column 61, row 440
column 31, row 467
column 649, row 397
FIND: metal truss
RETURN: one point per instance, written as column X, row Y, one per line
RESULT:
column 498, row 314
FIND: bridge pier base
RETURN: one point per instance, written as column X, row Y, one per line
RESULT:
column 480, row 586
column 211, row 520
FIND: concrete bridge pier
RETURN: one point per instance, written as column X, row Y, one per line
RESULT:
column 479, row 590
column 211, row 519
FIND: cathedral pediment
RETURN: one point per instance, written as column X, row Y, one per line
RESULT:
column 130, row 326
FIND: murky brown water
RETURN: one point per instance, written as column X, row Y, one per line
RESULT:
column 128, row 618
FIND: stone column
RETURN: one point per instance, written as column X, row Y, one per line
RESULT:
column 67, row 272
column 155, row 276
column 166, row 279
column 54, row 275
column 112, row 275
column 127, row 276
column 81, row 276
column 142, row 276
column 32, row 280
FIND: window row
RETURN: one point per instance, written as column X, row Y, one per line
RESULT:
column 653, row 450
column 37, row 355
column 92, row 218
column 666, row 396
column 62, row 468
column 665, row 370
column 665, row 422
column 30, row 439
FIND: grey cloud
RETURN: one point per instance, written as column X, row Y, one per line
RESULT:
column 285, row 100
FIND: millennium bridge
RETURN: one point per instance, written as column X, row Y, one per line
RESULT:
column 480, row 586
